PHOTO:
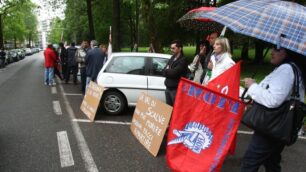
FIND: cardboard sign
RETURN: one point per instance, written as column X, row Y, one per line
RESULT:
column 91, row 100
column 150, row 121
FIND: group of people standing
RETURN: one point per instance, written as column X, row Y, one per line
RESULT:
column 88, row 59
column 212, row 60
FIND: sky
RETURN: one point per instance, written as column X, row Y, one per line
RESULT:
column 46, row 12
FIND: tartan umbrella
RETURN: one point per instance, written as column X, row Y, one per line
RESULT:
column 193, row 20
column 278, row 22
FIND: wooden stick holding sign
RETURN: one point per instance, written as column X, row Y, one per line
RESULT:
column 150, row 121
column 91, row 100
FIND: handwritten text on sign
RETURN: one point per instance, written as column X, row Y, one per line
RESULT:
column 91, row 100
column 150, row 121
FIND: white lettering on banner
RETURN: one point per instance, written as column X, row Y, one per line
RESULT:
column 224, row 90
column 157, row 117
column 96, row 88
column 147, row 100
column 139, row 113
column 94, row 94
column 137, row 123
column 155, row 129
column 146, row 142
column 147, row 134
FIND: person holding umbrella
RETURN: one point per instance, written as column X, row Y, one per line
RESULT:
column 271, row 93
column 274, row 22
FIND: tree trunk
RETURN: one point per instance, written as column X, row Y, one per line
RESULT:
column 245, row 50
column 197, row 42
column 150, row 21
column 15, row 42
column 137, row 22
column 30, row 39
column 1, row 32
column 259, row 48
column 116, row 25
column 132, row 29
column 90, row 20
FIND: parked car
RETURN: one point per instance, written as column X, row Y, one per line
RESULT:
column 28, row 51
column 126, row 75
column 9, row 58
column 20, row 54
column 13, row 54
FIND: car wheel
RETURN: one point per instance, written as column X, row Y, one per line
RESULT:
column 113, row 103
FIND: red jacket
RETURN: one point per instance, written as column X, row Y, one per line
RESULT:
column 50, row 57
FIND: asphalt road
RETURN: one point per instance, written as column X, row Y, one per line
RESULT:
column 43, row 129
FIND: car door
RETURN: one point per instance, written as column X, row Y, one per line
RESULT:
column 156, row 86
column 126, row 73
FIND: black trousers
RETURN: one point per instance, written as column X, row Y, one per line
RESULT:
column 64, row 70
column 83, row 79
column 74, row 70
column 170, row 96
column 265, row 151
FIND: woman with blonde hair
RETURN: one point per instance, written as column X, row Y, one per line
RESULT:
column 220, row 60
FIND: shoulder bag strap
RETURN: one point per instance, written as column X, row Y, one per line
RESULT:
column 295, row 93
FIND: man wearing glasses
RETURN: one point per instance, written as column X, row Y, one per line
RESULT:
column 174, row 70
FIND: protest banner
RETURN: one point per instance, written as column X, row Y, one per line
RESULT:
column 228, row 83
column 91, row 100
column 203, row 125
column 150, row 121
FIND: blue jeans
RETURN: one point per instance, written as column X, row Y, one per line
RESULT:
column 262, row 150
column 49, row 75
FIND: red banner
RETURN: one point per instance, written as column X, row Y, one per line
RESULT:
column 228, row 83
column 202, row 128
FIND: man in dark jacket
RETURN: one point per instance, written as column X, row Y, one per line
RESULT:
column 94, row 61
column 63, row 57
column 174, row 70
column 72, row 64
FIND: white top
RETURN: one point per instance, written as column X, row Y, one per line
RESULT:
column 275, row 88
column 220, row 64
column 196, row 69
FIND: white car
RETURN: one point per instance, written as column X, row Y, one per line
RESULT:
column 125, row 75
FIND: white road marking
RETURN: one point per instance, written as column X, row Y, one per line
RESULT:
column 90, row 164
column 53, row 90
column 72, row 94
column 103, row 122
column 129, row 123
column 245, row 132
column 302, row 137
column 57, row 108
column 64, row 149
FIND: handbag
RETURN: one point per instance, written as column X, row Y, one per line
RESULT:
column 281, row 123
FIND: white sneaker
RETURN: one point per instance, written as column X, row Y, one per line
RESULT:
column 301, row 132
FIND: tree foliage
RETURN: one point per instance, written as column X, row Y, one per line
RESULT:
column 57, row 31
column 18, row 21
